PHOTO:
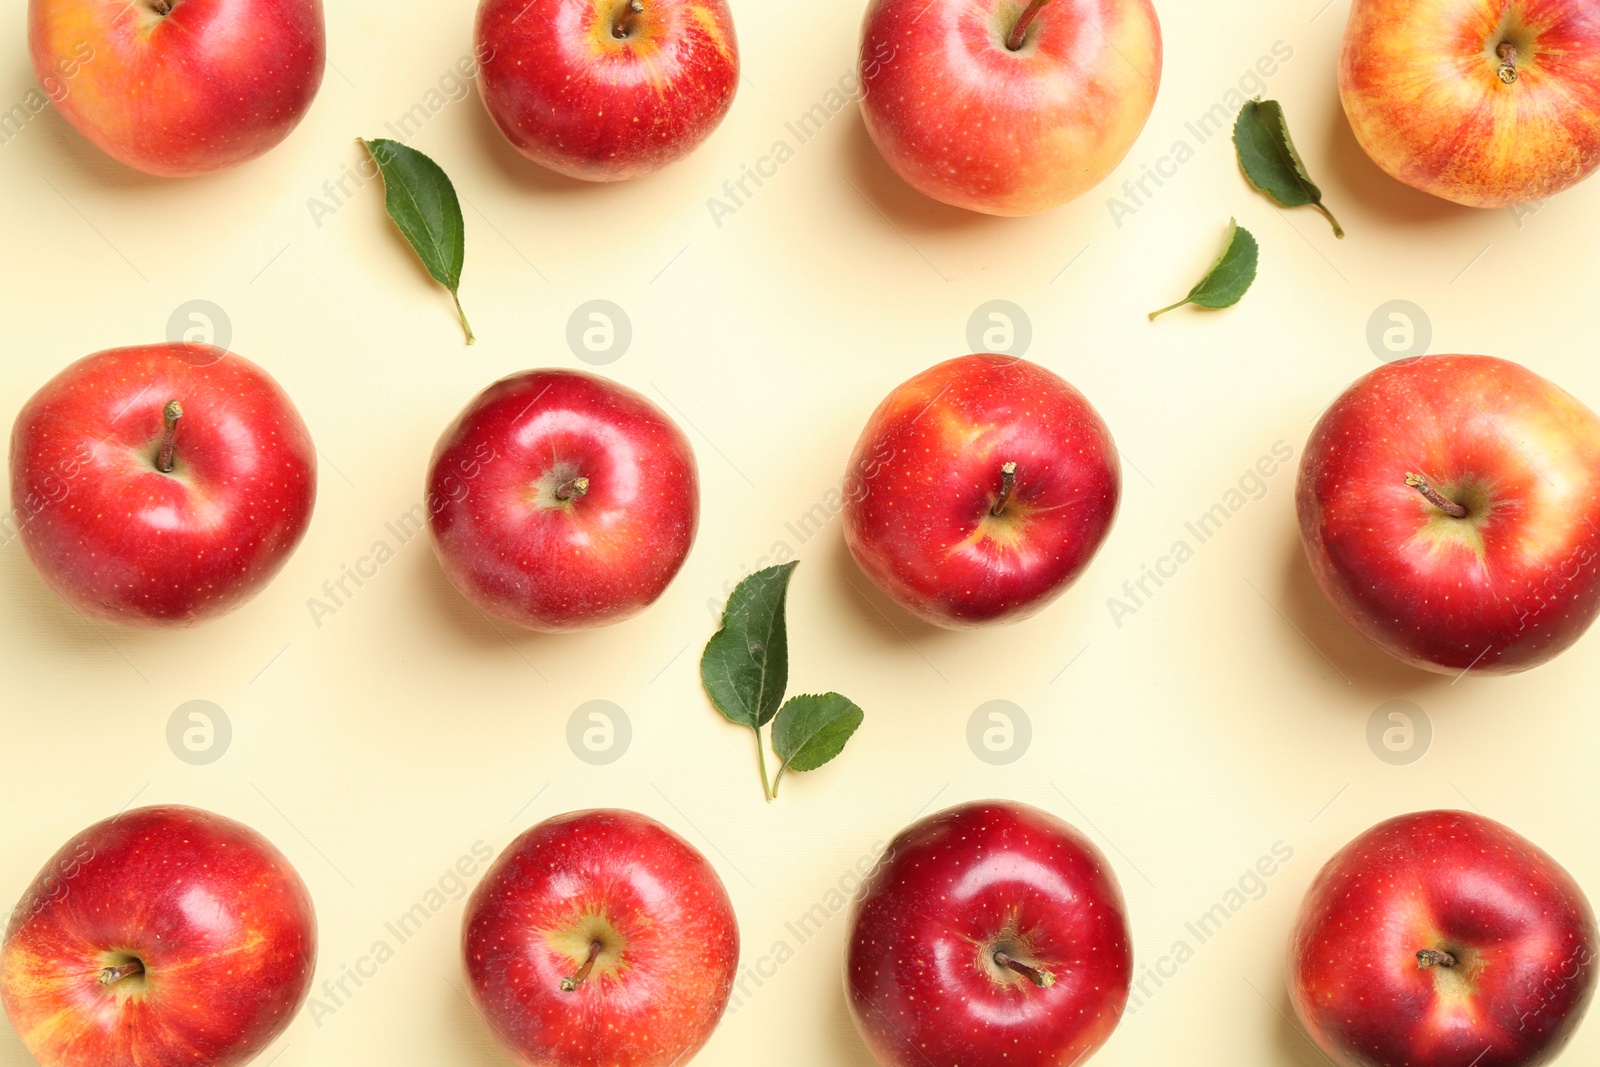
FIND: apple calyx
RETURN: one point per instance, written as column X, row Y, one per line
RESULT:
column 1024, row 20
column 112, row 975
column 1508, row 62
column 1432, row 496
column 1431, row 957
column 169, row 435
column 571, row 983
column 1008, row 485
column 624, row 24
column 162, row 7
column 571, row 490
column 1037, row 975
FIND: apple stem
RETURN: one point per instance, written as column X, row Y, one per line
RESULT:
column 1431, row 495
column 1429, row 957
column 1041, row 978
column 576, row 979
column 572, row 490
column 1508, row 62
column 1008, row 483
column 169, row 435
column 162, row 7
column 1020, row 30
column 624, row 23
column 110, row 975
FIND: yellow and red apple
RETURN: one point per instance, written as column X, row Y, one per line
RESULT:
column 1450, row 509
column 1484, row 102
column 605, row 90
column 163, row 937
column 182, row 87
column 1007, row 107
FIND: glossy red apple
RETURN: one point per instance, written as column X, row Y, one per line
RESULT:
column 162, row 937
column 991, row 934
column 180, row 87
column 607, row 89
column 1442, row 939
column 987, row 484
column 1450, row 509
column 600, row 937
column 1483, row 102
column 1005, row 107
column 160, row 485
column 560, row 500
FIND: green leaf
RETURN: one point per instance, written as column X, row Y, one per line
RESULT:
column 745, row 666
column 1229, row 278
column 811, row 730
column 420, row 199
column 1269, row 160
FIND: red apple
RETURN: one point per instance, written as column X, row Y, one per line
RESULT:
column 1448, row 506
column 1004, row 107
column 162, row 937
column 161, row 485
column 1442, row 939
column 987, row 484
column 607, row 89
column 600, row 937
column 180, row 87
column 559, row 500
column 991, row 934
column 1482, row 102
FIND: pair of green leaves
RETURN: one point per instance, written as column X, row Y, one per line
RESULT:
column 422, row 202
column 745, row 670
column 1273, row 166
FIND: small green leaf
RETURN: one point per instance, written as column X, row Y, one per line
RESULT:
column 811, row 730
column 420, row 199
column 1269, row 160
column 745, row 666
column 1229, row 278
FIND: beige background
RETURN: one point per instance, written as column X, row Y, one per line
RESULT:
column 1227, row 714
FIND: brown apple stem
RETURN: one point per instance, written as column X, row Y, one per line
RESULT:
column 624, row 24
column 1508, row 62
column 576, row 979
column 1008, row 484
column 1430, row 957
column 1431, row 495
column 1024, row 20
column 111, row 975
column 1041, row 978
column 169, row 435
column 162, row 7
column 572, row 490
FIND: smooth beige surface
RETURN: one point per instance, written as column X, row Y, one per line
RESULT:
column 1227, row 713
